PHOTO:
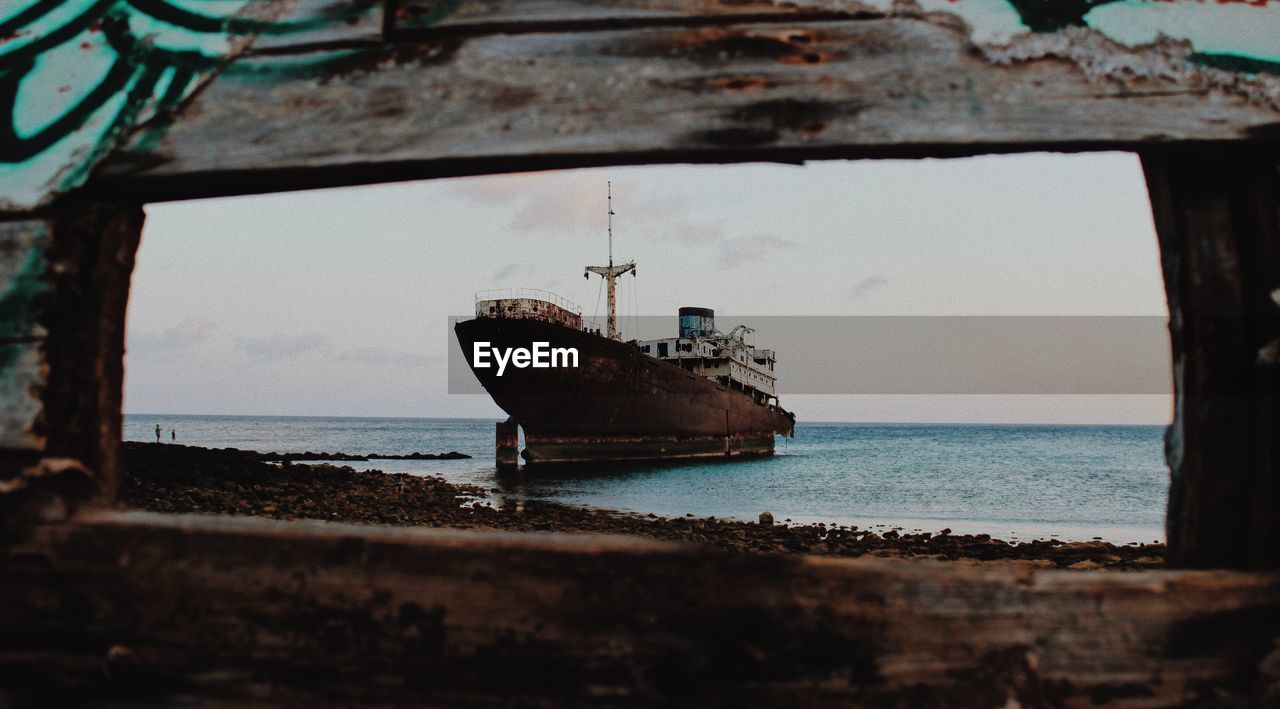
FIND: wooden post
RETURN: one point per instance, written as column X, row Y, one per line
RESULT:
column 507, row 446
column 1219, row 229
column 91, row 258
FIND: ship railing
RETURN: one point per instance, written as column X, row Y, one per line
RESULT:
column 529, row 294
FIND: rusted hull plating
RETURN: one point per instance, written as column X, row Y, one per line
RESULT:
column 618, row 404
column 586, row 449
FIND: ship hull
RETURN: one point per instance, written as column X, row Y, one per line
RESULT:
column 618, row 404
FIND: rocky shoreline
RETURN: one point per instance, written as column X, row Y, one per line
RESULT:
column 350, row 457
column 176, row 478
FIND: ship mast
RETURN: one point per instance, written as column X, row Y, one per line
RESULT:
column 611, row 272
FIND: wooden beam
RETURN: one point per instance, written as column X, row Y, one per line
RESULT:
column 899, row 86
column 1218, row 219
column 90, row 261
column 137, row 607
column 437, row 17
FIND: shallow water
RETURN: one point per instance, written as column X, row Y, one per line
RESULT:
column 1010, row 481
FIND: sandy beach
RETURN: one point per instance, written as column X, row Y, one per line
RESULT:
column 177, row 478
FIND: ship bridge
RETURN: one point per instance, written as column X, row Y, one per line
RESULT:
column 724, row 358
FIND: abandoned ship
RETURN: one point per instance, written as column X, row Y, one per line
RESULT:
column 701, row 394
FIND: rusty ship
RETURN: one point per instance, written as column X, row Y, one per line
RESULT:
column 700, row 394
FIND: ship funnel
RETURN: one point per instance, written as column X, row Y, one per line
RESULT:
column 697, row 322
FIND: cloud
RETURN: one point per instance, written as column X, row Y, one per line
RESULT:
column 501, row 188
column 699, row 234
column 740, row 251
column 544, row 201
column 182, row 337
column 734, row 251
column 386, row 357
column 570, row 210
column 573, row 201
column 188, row 333
column 864, row 287
column 282, row 346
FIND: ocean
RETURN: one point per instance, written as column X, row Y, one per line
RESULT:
column 1014, row 482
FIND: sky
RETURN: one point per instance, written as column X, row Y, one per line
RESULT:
column 336, row 302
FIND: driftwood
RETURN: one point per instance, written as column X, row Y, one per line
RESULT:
column 139, row 606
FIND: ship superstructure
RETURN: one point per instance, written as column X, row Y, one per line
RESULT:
column 724, row 358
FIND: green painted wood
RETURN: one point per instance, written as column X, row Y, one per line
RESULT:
column 22, row 277
column 20, row 377
column 79, row 74
column 23, row 282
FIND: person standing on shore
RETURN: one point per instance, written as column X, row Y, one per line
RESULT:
column 157, row 433
column 173, row 435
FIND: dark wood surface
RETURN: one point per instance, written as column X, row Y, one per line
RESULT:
column 23, row 282
column 148, row 607
column 1218, row 219
column 426, row 17
column 91, row 258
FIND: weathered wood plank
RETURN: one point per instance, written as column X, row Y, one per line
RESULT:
column 22, row 278
column 20, row 375
column 1239, row 31
column 23, row 281
column 157, row 607
column 529, row 15
column 321, row 22
column 1218, row 219
column 91, row 258
column 150, row 57
column 484, row 104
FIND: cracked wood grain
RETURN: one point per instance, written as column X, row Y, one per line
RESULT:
column 247, row 609
column 463, row 105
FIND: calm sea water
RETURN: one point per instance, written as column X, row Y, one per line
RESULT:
column 1011, row 481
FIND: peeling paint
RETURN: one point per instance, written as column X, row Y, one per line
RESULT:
column 1250, row 31
column 1244, row 28
column 990, row 21
column 1170, row 61
column 1241, row 37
